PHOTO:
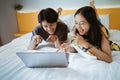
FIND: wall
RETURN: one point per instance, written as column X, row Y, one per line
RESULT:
column 37, row 5
column 8, row 22
column 27, row 21
column 114, row 16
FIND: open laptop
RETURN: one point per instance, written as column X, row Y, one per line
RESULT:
column 43, row 59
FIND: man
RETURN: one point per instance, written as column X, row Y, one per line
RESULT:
column 50, row 29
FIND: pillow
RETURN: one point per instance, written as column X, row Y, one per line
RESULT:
column 104, row 19
column 83, row 54
column 114, row 35
column 68, row 20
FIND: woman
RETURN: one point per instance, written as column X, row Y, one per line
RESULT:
column 50, row 29
column 88, row 35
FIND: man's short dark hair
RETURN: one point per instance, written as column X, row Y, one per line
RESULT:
column 48, row 14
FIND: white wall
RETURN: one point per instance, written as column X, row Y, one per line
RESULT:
column 8, row 23
column 36, row 5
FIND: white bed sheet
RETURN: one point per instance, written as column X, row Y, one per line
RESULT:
column 12, row 68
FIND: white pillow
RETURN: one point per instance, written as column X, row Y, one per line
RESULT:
column 69, row 20
column 83, row 54
column 114, row 35
column 104, row 19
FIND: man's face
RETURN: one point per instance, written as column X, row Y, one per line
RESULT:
column 49, row 27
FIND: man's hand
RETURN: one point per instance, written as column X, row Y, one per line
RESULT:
column 52, row 38
column 36, row 39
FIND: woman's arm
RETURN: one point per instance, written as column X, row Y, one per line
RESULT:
column 105, row 54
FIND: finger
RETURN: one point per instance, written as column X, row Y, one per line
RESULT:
column 74, row 35
column 58, row 49
column 38, row 36
column 48, row 39
column 34, row 41
column 61, row 47
column 38, row 39
column 77, row 34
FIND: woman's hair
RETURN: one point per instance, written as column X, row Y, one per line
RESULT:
column 94, row 33
column 48, row 14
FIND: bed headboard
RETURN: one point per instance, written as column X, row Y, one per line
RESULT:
column 27, row 21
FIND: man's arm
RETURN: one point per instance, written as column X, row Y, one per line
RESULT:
column 35, row 41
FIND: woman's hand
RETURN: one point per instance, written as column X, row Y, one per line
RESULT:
column 64, row 47
column 80, row 41
column 52, row 38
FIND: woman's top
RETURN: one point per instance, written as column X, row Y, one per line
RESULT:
column 114, row 46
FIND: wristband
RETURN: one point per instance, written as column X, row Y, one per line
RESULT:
column 86, row 49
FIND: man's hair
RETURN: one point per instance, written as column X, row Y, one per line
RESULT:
column 48, row 14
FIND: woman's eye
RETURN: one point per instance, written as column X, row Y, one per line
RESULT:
column 76, row 23
column 81, row 23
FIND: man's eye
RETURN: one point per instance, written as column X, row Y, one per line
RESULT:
column 45, row 26
column 51, row 25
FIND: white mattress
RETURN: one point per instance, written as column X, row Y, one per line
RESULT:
column 12, row 68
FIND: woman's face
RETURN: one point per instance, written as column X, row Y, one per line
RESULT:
column 81, row 24
column 49, row 27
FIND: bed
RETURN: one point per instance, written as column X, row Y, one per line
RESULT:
column 79, row 68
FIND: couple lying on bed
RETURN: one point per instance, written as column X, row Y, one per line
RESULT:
column 88, row 33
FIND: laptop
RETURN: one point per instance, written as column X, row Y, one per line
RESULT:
column 43, row 59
